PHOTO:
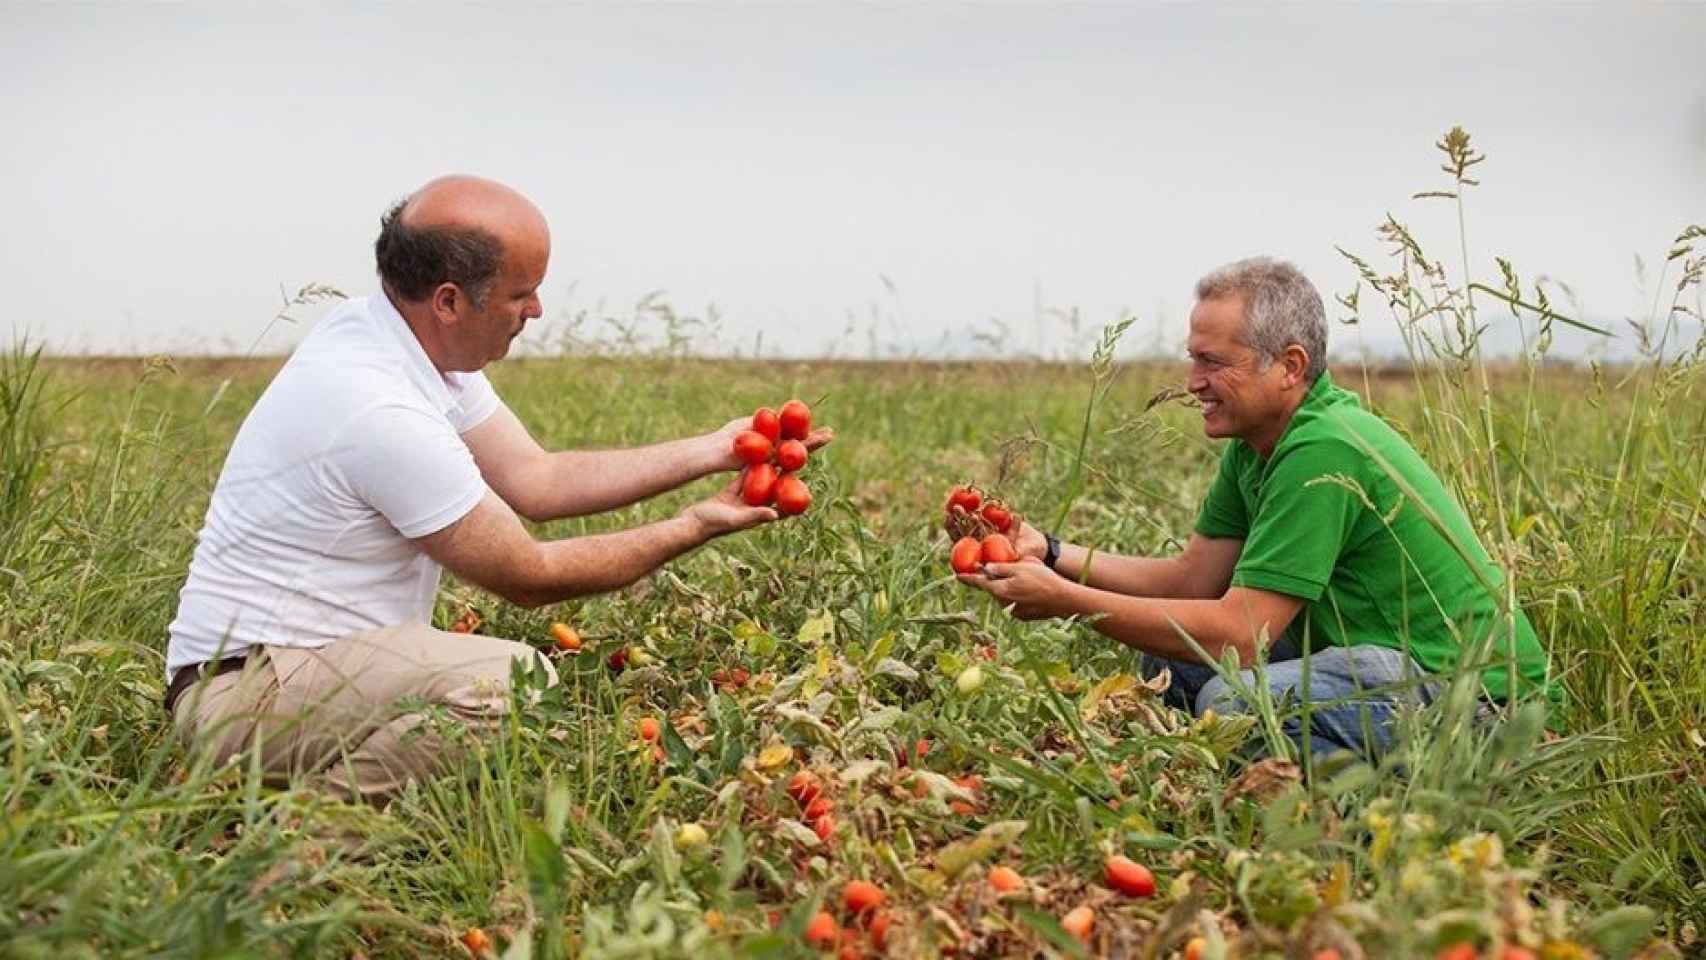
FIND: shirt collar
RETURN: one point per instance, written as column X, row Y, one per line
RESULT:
column 433, row 383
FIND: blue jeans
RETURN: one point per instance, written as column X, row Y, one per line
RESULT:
column 1354, row 693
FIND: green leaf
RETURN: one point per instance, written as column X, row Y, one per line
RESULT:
column 1620, row 931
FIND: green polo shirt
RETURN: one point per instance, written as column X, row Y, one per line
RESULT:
column 1381, row 574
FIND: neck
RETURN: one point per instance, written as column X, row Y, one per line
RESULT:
column 418, row 317
column 1265, row 442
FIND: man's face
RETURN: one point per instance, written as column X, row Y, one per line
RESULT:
column 511, row 301
column 1241, row 394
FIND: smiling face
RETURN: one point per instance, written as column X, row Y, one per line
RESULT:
column 1242, row 393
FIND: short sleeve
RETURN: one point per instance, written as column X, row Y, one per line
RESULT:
column 475, row 399
column 411, row 467
column 1304, row 521
column 1222, row 515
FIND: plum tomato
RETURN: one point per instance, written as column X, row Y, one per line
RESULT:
column 792, row 495
column 752, row 447
column 796, row 420
column 759, row 488
column 998, row 549
column 766, row 422
column 791, row 455
column 967, row 555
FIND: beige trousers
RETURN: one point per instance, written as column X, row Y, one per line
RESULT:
column 350, row 717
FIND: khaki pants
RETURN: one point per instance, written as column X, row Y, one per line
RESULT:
column 349, row 717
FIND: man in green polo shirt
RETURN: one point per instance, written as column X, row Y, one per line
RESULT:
column 1323, row 529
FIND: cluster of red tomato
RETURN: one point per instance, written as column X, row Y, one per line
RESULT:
column 773, row 451
column 982, row 526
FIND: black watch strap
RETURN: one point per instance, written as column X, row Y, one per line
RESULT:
column 1052, row 554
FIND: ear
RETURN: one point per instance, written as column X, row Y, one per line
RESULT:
column 447, row 300
column 1295, row 360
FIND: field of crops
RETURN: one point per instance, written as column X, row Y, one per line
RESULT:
column 837, row 643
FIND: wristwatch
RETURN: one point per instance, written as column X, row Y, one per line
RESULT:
column 1052, row 554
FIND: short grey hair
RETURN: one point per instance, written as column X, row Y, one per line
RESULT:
column 1281, row 307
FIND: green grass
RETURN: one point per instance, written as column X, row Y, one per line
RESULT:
column 558, row 836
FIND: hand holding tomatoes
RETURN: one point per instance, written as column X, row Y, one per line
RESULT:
column 731, row 510
column 734, row 449
column 1034, row 591
column 970, row 512
column 774, row 446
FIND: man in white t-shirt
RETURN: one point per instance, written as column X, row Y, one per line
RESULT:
column 378, row 455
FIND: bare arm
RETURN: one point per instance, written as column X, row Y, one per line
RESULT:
column 490, row 548
column 1235, row 620
column 574, row 483
column 1203, row 570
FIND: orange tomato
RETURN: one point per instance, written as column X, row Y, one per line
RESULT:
column 1005, row 879
column 1078, row 922
column 566, row 636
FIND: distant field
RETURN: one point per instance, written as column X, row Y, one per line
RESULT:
column 562, row 835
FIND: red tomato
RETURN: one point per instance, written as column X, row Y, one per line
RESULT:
column 752, row 446
column 818, row 807
column 998, row 516
column 1458, row 951
column 766, row 422
column 998, row 549
column 804, row 787
column 792, row 495
column 791, row 455
column 966, row 498
column 760, row 486
column 967, row 555
column 822, row 932
column 618, row 660
column 880, row 930
column 796, row 420
column 1131, row 879
column 860, row 897
column 824, row 827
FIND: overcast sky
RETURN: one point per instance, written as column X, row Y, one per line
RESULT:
column 168, row 167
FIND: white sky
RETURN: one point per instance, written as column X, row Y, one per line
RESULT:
column 168, row 167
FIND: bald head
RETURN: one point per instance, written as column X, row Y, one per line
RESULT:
column 472, row 203
column 459, row 230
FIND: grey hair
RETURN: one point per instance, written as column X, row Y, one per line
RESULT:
column 1281, row 307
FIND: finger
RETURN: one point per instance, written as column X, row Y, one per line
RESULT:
column 820, row 437
column 1000, row 571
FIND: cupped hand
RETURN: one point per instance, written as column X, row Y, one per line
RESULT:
column 727, row 513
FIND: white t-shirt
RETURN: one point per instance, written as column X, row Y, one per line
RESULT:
column 354, row 449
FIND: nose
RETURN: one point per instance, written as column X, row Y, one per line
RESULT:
column 535, row 308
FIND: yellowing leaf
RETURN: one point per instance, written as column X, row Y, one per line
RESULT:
column 816, row 629
column 775, row 756
column 1110, row 686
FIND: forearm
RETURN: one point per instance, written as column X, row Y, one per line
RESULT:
column 575, row 483
column 562, row 569
column 1154, row 625
column 1132, row 576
